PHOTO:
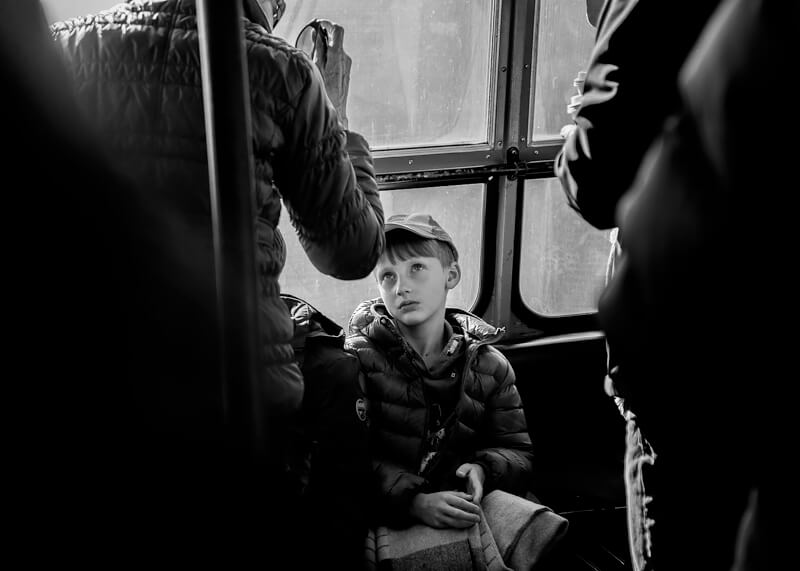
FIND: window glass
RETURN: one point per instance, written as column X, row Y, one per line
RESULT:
column 57, row 10
column 421, row 68
column 459, row 209
column 563, row 47
column 563, row 259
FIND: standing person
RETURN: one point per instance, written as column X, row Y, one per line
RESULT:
column 629, row 89
column 137, row 74
column 447, row 422
column 691, row 320
column 107, row 314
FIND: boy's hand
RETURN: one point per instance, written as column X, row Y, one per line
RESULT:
column 475, row 478
column 445, row 509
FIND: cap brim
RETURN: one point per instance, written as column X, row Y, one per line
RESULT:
column 389, row 226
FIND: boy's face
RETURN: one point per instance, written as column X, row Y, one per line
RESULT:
column 415, row 290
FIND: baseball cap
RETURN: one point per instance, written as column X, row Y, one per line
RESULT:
column 422, row 225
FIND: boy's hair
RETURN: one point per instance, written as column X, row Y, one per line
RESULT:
column 405, row 245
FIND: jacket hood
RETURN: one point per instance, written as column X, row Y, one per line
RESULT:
column 371, row 318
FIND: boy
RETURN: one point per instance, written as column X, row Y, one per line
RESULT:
column 446, row 419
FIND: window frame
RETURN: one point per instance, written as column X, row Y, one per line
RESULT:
column 503, row 165
column 488, row 261
column 545, row 324
column 418, row 159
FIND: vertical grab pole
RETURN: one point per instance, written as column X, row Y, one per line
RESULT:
column 226, row 97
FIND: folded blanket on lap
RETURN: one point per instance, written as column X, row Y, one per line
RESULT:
column 514, row 533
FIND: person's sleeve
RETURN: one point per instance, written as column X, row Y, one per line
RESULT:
column 630, row 89
column 327, row 180
column 506, row 454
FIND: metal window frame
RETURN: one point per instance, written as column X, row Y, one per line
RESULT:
column 503, row 164
column 418, row 159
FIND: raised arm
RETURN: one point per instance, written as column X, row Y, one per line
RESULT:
column 629, row 90
column 327, row 178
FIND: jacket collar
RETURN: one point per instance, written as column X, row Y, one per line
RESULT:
column 371, row 318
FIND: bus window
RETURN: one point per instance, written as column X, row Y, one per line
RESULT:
column 565, row 40
column 56, row 10
column 452, row 87
column 421, row 70
column 565, row 259
column 459, row 209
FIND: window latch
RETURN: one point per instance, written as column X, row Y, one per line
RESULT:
column 512, row 162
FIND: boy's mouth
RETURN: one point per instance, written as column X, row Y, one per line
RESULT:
column 406, row 304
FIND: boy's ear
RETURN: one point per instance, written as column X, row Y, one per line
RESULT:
column 453, row 275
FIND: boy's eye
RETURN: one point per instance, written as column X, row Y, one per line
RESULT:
column 417, row 267
column 388, row 276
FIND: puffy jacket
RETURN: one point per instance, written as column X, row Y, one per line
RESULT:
column 330, row 449
column 138, row 77
column 489, row 428
column 333, row 425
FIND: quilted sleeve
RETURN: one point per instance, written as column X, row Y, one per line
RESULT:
column 329, row 188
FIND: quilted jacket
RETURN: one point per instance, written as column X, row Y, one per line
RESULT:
column 137, row 74
column 489, row 425
column 330, row 455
